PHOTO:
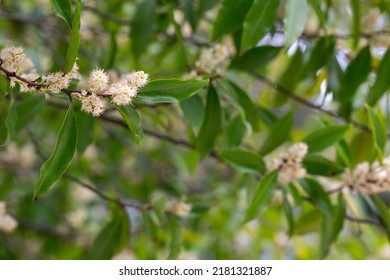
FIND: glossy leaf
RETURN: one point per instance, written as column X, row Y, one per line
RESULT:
column 262, row 196
column 132, row 119
column 325, row 137
column 243, row 160
column 27, row 110
column 246, row 103
column 234, row 132
column 319, row 165
column 355, row 74
column 112, row 238
column 85, row 131
column 326, row 235
column 12, row 116
column 74, row 43
column 142, row 26
column 288, row 211
column 53, row 169
column 176, row 238
column 171, row 90
column 193, row 110
column 230, row 17
column 256, row 58
column 379, row 130
column 385, row 214
column 308, row 222
column 258, row 21
column 211, row 125
column 3, row 109
column 339, row 217
column 295, row 19
column 355, row 5
column 382, row 81
column 318, row 195
column 279, row 133
column 63, row 9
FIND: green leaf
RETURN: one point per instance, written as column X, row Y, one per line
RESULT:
column 246, row 103
column 355, row 22
column 296, row 12
column 171, row 90
column 85, row 130
column 325, row 137
column 243, row 160
column 211, row 124
column 256, row 58
column 355, row 74
column 318, row 195
column 288, row 210
column 267, row 117
column 193, row 110
column 132, row 119
column 385, row 214
column 319, row 55
column 379, row 130
column 142, row 26
column 309, row 222
column 230, row 17
column 74, row 42
column 279, row 133
column 382, row 81
column 3, row 109
column 234, row 132
column 319, row 165
column 258, row 21
column 27, row 110
column 159, row 207
column 176, row 238
column 63, row 9
column 262, row 196
column 339, row 217
column 344, row 154
column 112, row 238
column 12, row 116
column 326, row 235
column 53, row 169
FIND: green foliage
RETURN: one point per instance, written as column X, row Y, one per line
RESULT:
column 74, row 42
column 295, row 19
column 171, row 90
column 63, row 9
column 133, row 121
column 53, row 169
column 211, row 124
column 243, row 160
column 325, row 137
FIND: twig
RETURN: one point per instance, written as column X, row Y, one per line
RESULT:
column 307, row 103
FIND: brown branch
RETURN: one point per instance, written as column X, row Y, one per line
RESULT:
column 307, row 103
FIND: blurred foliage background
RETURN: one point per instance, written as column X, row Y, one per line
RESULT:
column 305, row 65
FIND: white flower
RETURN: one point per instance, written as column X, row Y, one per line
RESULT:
column 213, row 61
column 121, row 93
column 98, row 80
column 7, row 222
column 136, row 79
column 15, row 60
column 30, row 77
column 181, row 209
column 93, row 104
column 368, row 179
column 59, row 80
column 289, row 163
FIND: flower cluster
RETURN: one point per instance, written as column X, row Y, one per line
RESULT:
column 289, row 163
column 180, row 208
column 369, row 179
column 212, row 62
column 121, row 92
column 7, row 222
column 16, row 65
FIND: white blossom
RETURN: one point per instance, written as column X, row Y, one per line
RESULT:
column 93, row 104
column 59, row 80
column 98, row 80
column 121, row 93
column 7, row 222
column 213, row 61
column 15, row 60
column 136, row 79
column 180, row 208
column 289, row 163
column 368, row 179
